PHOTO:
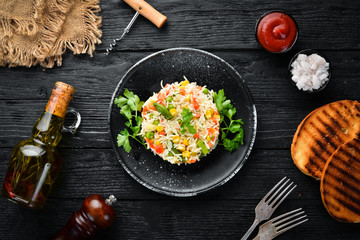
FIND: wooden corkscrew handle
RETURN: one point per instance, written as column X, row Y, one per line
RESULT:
column 96, row 213
column 148, row 11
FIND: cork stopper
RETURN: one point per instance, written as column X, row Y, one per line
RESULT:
column 60, row 99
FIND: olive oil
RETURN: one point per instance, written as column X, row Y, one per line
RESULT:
column 35, row 163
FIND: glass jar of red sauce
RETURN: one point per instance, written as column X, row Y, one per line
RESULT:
column 276, row 31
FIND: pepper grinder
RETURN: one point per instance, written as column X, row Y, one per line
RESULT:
column 96, row 213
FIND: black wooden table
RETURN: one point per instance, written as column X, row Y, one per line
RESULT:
column 226, row 29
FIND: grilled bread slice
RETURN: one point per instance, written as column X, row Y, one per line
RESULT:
column 340, row 183
column 322, row 132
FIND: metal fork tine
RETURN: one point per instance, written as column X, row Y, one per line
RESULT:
column 273, row 189
column 290, row 227
column 277, row 192
column 284, row 215
column 291, row 221
column 283, row 198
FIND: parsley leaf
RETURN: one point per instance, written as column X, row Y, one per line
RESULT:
column 228, row 125
column 129, row 105
column 185, row 123
column 219, row 98
column 123, row 140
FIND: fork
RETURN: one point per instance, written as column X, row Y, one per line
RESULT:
column 272, row 228
column 270, row 202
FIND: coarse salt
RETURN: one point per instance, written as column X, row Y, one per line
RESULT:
column 310, row 72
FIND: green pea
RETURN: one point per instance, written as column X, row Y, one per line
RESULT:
column 156, row 122
column 171, row 106
column 169, row 99
column 150, row 135
column 151, row 115
column 205, row 90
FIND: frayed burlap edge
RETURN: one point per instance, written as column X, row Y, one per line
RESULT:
column 91, row 35
column 51, row 46
column 29, row 27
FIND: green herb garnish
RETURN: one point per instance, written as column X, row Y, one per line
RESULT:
column 226, row 109
column 129, row 105
column 185, row 123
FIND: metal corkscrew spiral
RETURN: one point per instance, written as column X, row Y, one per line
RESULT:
column 146, row 10
column 126, row 30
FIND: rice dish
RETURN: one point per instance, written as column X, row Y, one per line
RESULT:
column 310, row 73
column 181, row 122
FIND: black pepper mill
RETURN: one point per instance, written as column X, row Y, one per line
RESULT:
column 96, row 213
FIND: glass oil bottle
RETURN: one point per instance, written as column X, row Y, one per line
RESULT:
column 35, row 163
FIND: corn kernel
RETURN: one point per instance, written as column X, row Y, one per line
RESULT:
column 151, row 127
column 184, row 83
column 182, row 87
column 193, row 154
column 181, row 148
column 188, row 97
column 208, row 114
column 217, row 116
column 159, row 128
column 176, row 139
column 208, row 138
column 186, row 154
column 173, row 112
column 158, row 142
column 186, row 142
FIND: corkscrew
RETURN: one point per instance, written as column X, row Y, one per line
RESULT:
column 146, row 10
column 96, row 213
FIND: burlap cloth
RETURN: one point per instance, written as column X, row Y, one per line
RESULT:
column 39, row 31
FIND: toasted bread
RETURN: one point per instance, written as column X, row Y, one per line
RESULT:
column 340, row 183
column 322, row 132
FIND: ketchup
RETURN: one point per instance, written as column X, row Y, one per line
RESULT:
column 276, row 32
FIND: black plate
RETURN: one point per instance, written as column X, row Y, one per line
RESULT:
column 206, row 69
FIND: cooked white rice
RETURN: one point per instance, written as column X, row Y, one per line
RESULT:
column 167, row 140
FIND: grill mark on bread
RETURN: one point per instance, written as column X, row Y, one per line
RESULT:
column 309, row 166
column 332, row 128
column 340, row 183
column 338, row 113
column 352, row 206
column 357, row 106
column 348, row 179
column 322, row 132
column 332, row 132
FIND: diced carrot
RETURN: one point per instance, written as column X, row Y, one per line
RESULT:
column 151, row 107
column 192, row 160
column 161, row 96
column 211, row 131
column 199, row 87
column 197, row 135
column 215, row 121
column 197, row 115
column 149, row 142
column 195, row 103
column 159, row 149
column 182, row 91
column 162, row 133
column 210, row 144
